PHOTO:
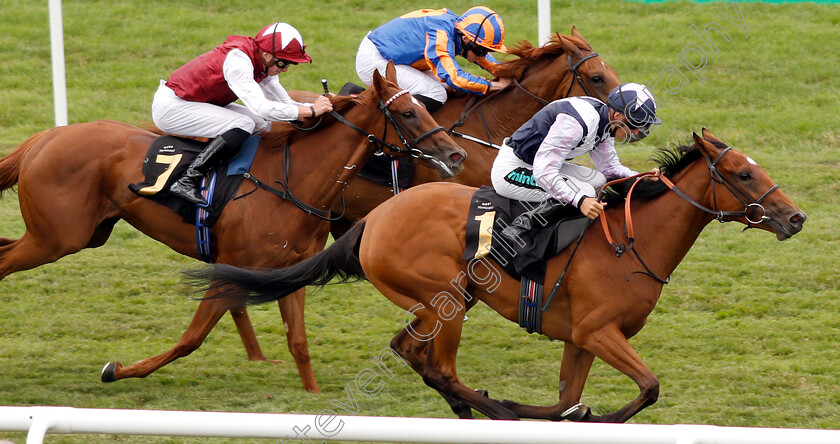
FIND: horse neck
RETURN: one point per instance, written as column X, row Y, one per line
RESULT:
column 667, row 226
column 323, row 163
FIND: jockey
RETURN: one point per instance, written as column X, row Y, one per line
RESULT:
column 535, row 164
column 423, row 45
column 197, row 100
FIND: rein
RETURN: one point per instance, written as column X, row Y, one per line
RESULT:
column 720, row 216
column 405, row 138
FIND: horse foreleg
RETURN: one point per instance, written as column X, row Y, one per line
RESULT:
column 205, row 318
column 574, row 370
column 611, row 346
column 291, row 308
column 248, row 335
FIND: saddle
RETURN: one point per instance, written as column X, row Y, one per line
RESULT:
column 169, row 157
column 525, row 256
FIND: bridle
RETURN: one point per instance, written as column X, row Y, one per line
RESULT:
column 573, row 67
column 720, row 216
column 738, row 193
column 407, row 141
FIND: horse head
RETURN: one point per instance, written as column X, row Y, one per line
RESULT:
column 415, row 126
column 743, row 191
column 565, row 66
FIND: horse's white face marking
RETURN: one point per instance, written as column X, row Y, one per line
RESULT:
column 415, row 101
column 752, row 162
column 604, row 65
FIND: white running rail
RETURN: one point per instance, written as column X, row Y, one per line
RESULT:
column 39, row 421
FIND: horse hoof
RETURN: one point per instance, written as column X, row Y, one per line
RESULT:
column 109, row 372
column 577, row 412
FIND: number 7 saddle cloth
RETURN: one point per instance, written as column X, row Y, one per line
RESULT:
column 167, row 160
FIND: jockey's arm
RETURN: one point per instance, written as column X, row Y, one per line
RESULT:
column 239, row 74
column 559, row 144
column 605, row 158
column 440, row 55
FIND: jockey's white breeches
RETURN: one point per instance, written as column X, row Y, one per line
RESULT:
column 175, row 115
column 417, row 82
column 513, row 178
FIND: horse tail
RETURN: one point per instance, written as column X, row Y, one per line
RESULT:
column 10, row 164
column 259, row 286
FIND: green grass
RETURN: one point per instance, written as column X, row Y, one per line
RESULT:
column 746, row 334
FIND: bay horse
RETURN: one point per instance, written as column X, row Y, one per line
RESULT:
column 73, row 187
column 602, row 301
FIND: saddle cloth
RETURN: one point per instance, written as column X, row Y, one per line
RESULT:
column 526, row 256
column 169, row 157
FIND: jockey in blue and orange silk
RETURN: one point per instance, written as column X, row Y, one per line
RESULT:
column 198, row 99
column 423, row 45
column 537, row 163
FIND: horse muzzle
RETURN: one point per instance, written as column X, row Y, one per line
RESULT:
column 453, row 164
column 786, row 227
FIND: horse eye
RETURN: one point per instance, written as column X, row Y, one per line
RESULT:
column 745, row 176
column 597, row 79
column 408, row 114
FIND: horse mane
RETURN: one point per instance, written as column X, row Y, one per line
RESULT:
column 528, row 54
column 279, row 135
column 670, row 160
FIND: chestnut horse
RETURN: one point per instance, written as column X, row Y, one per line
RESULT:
column 73, row 187
column 603, row 300
column 565, row 66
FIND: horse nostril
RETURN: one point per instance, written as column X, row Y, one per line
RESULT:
column 797, row 219
column 456, row 158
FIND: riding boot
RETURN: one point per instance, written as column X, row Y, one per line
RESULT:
column 432, row 105
column 226, row 145
column 546, row 213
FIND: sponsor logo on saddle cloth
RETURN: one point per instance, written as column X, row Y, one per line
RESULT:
column 524, row 256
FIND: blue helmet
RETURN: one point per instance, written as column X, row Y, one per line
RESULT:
column 636, row 103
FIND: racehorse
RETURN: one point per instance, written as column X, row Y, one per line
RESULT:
column 565, row 66
column 602, row 301
column 73, row 187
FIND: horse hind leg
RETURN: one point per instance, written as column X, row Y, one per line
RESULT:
column 414, row 352
column 27, row 253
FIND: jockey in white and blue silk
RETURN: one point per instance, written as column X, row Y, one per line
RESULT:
column 423, row 45
column 538, row 163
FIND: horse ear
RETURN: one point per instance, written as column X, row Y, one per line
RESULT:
column 704, row 146
column 709, row 136
column 573, row 50
column 378, row 81
column 577, row 34
column 391, row 71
